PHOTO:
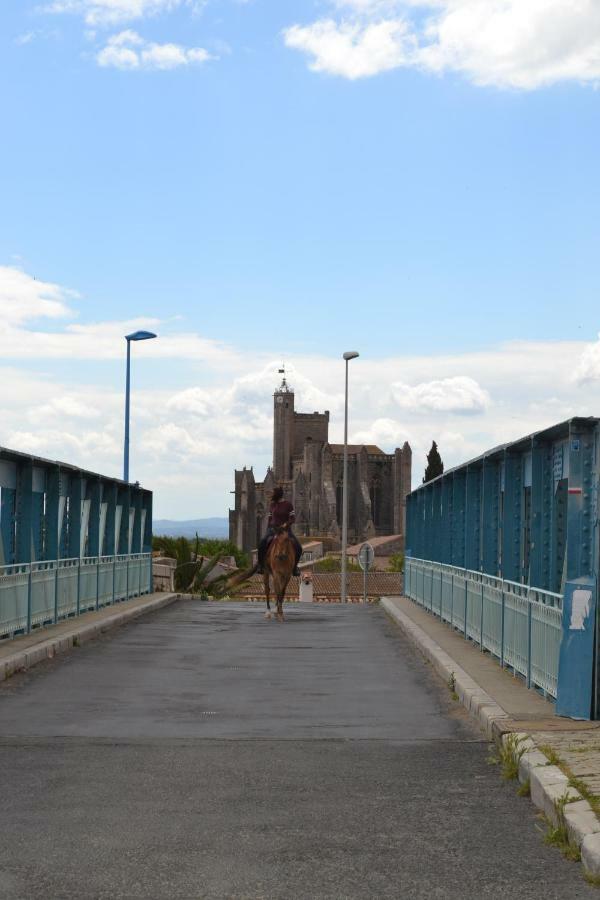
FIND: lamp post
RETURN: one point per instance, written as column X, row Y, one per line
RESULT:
column 136, row 336
column 351, row 354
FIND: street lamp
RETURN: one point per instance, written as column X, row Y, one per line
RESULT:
column 351, row 354
column 136, row 336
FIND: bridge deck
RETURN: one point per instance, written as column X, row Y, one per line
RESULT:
column 204, row 752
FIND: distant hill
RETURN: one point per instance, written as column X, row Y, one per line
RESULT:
column 213, row 528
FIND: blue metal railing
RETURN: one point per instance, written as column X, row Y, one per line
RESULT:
column 520, row 625
column 42, row 593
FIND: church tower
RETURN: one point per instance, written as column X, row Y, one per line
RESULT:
column 283, row 431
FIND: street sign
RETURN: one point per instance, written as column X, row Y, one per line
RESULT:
column 366, row 555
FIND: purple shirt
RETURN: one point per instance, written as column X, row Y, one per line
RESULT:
column 281, row 513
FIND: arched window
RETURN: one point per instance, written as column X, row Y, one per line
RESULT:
column 339, row 501
column 375, row 495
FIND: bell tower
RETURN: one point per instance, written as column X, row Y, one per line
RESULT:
column 283, row 430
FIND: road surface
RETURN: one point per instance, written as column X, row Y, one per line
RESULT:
column 203, row 752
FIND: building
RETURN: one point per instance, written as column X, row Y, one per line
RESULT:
column 310, row 471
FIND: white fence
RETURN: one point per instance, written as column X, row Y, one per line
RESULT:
column 42, row 593
column 520, row 625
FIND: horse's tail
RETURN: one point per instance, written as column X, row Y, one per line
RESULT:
column 235, row 580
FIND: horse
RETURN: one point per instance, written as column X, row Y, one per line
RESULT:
column 279, row 565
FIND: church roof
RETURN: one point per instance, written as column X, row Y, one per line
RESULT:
column 356, row 448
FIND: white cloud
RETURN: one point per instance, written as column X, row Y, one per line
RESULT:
column 188, row 437
column 128, row 50
column 112, row 12
column 353, row 49
column 522, row 44
column 26, row 38
column 455, row 395
column 24, row 300
column 588, row 367
column 23, row 297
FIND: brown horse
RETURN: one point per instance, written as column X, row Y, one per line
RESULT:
column 279, row 565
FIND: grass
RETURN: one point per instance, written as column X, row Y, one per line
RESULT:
column 553, row 757
column 525, row 789
column 452, row 686
column 594, row 880
column 574, row 782
column 557, row 834
column 509, row 756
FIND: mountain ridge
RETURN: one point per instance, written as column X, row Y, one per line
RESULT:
column 212, row 527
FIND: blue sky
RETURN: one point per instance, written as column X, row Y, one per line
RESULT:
column 262, row 181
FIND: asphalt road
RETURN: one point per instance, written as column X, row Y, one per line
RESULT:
column 203, row 752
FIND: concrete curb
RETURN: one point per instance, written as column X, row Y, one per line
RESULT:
column 549, row 786
column 82, row 631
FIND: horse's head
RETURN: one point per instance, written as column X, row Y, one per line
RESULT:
column 282, row 549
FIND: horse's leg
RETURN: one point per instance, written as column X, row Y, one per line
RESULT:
column 281, row 586
column 266, row 583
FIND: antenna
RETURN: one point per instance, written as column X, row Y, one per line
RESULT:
column 284, row 384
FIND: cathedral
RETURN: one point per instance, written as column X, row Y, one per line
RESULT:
column 310, row 471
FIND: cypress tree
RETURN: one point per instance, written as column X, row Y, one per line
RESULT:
column 435, row 466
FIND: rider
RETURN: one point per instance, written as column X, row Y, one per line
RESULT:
column 281, row 513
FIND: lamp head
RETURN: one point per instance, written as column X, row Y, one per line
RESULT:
column 350, row 354
column 140, row 336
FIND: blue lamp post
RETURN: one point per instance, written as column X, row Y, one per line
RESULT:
column 136, row 336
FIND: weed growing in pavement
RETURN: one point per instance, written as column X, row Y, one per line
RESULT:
column 510, row 753
column 557, row 834
column 594, row 880
column 551, row 754
column 525, row 789
column 574, row 782
column 452, row 686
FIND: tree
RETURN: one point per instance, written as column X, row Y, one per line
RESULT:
column 435, row 466
column 396, row 562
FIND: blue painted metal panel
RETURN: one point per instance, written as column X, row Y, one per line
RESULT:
column 511, row 524
column 446, row 547
column 576, row 666
column 473, row 518
column 24, row 549
column 490, row 516
column 53, row 511
column 8, row 506
column 458, row 517
column 536, row 503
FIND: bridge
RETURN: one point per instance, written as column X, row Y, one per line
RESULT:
column 200, row 751
column 506, row 549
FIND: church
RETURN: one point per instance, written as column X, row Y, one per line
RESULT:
column 310, row 471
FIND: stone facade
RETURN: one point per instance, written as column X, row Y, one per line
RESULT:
column 310, row 471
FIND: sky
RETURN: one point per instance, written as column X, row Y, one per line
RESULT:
column 263, row 182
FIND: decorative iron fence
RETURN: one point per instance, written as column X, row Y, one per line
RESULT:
column 42, row 593
column 519, row 625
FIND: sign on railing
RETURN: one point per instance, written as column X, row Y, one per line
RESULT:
column 41, row 593
column 519, row 625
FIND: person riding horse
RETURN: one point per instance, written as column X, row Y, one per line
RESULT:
column 281, row 514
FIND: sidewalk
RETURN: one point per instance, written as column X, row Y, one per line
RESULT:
column 43, row 643
column 556, row 760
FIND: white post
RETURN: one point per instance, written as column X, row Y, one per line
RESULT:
column 344, row 589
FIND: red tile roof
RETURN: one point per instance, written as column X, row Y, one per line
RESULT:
column 379, row 584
